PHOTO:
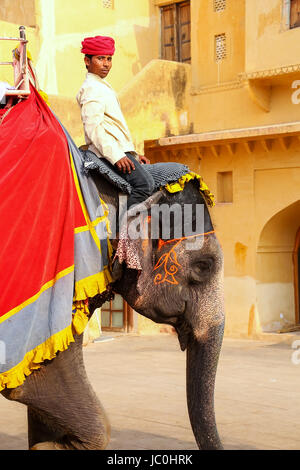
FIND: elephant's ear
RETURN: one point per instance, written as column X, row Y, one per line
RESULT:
column 135, row 244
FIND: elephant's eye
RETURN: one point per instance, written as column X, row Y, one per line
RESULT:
column 201, row 270
column 205, row 265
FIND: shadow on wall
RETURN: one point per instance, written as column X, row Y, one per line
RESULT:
column 147, row 39
column 156, row 101
column 179, row 83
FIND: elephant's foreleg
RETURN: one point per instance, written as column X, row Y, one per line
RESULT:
column 63, row 410
column 44, row 435
column 39, row 430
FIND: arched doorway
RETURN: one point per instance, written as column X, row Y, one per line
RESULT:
column 296, row 259
column 277, row 270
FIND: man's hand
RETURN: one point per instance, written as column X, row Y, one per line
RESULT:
column 143, row 160
column 125, row 165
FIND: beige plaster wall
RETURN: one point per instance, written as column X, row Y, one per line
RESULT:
column 63, row 25
column 232, row 107
column 269, row 41
column 68, row 112
column 258, row 286
column 206, row 24
column 21, row 12
column 156, row 102
column 12, row 30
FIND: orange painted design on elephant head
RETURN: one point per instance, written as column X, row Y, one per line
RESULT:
column 168, row 261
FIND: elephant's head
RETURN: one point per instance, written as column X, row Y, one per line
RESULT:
column 181, row 284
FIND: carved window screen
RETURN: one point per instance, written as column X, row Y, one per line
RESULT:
column 108, row 4
column 219, row 5
column 220, row 47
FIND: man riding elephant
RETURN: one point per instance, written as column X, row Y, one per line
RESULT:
column 105, row 128
column 55, row 270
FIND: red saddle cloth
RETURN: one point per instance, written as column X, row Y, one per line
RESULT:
column 39, row 205
column 53, row 240
column 2, row 111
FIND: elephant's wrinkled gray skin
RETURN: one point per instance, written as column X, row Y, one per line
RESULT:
column 194, row 307
column 63, row 410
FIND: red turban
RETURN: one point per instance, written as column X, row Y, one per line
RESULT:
column 98, row 45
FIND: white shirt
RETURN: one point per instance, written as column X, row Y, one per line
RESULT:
column 105, row 129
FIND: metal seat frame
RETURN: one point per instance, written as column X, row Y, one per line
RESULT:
column 21, row 72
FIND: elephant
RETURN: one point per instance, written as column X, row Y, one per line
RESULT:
column 63, row 410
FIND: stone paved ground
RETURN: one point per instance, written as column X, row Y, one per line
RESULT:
column 141, row 383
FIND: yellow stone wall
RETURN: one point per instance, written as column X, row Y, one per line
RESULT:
column 207, row 24
column 251, row 87
column 257, row 252
column 12, row 30
column 20, row 12
column 256, row 41
column 269, row 41
column 156, row 101
column 64, row 24
column 259, row 274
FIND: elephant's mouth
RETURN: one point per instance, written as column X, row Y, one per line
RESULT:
column 184, row 330
column 162, row 315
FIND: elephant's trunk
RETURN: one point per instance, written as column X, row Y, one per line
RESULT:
column 202, row 361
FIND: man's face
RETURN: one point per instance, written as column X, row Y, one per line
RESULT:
column 99, row 64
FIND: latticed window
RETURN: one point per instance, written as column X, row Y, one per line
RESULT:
column 219, row 5
column 295, row 14
column 176, row 32
column 108, row 3
column 220, row 47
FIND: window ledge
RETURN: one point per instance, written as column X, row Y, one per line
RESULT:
column 277, row 72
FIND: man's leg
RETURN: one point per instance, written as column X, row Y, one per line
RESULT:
column 142, row 186
column 141, row 182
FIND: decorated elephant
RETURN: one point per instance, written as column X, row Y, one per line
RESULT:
column 53, row 260
column 178, row 286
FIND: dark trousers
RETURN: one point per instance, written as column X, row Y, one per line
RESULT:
column 140, row 180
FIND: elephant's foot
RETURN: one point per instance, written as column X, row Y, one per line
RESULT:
column 48, row 446
column 66, row 446
column 44, row 433
column 63, row 410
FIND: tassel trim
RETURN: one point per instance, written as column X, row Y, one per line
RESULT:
column 84, row 289
column 203, row 188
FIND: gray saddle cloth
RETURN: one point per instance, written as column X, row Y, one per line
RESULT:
column 162, row 173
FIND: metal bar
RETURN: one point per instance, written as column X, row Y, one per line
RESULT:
column 161, row 34
column 13, row 39
column 23, row 52
column 23, row 60
column 19, row 84
column 18, row 79
column 17, row 92
column 176, row 32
